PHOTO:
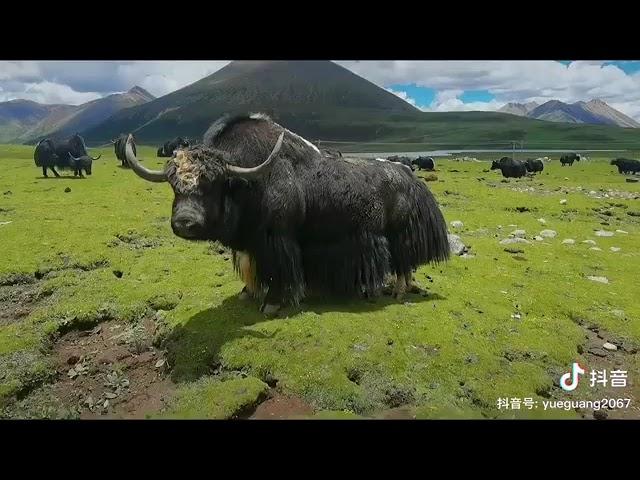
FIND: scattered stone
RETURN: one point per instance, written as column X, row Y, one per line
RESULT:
column 118, row 273
column 519, row 233
column 457, row 224
column 160, row 363
column 456, row 246
column 621, row 231
column 538, row 238
column 568, row 241
column 610, row 346
column 499, row 227
column 514, row 250
column 633, row 213
column 542, row 221
column 507, row 241
column 597, row 249
column 566, row 178
column 466, row 255
column 615, row 249
column 8, row 192
column 598, row 279
column 598, row 352
column 548, row 233
column 603, row 233
column 517, row 316
column 632, row 180
column 563, row 201
column 593, row 192
column 590, row 242
column 5, row 223
column 67, row 190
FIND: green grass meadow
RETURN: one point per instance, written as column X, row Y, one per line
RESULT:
column 449, row 354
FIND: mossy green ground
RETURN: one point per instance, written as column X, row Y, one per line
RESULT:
column 450, row 354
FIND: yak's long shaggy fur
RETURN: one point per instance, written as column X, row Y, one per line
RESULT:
column 311, row 223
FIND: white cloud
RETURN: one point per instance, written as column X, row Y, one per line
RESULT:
column 402, row 95
column 510, row 81
column 76, row 81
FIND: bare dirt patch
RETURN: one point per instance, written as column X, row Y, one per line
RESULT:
column 111, row 371
column 279, row 407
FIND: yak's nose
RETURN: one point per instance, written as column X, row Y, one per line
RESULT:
column 185, row 226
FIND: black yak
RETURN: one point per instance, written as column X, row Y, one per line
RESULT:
column 569, row 159
column 424, row 163
column 626, row 165
column 169, row 147
column 70, row 153
column 119, row 149
column 534, row 165
column 297, row 220
column 510, row 168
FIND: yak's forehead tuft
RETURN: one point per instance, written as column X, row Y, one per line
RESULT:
column 191, row 167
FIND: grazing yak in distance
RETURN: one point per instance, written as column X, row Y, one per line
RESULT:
column 119, row 149
column 569, row 159
column 626, row 165
column 68, row 154
column 296, row 220
column 402, row 160
column 534, row 165
column 169, row 147
column 509, row 167
column 424, row 163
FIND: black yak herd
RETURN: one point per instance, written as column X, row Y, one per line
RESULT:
column 297, row 219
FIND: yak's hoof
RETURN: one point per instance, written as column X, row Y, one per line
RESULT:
column 244, row 294
column 268, row 309
column 398, row 296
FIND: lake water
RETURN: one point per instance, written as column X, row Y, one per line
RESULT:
column 448, row 153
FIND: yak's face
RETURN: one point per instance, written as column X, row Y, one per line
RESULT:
column 614, row 162
column 495, row 165
column 84, row 163
column 198, row 178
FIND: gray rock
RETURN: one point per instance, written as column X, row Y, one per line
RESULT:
column 609, row 346
column 568, row 241
column 563, row 201
column 457, row 224
column 542, row 221
column 615, row 249
column 590, row 242
column 621, row 231
column 538, row 238
column 456, row 245
column 548, row 233
column 603, row 233
column 519, row 233
column 597, row 249
column 508, row 241
column 598, row 279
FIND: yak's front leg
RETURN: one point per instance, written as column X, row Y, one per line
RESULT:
column 54, row 171
column 279, row 267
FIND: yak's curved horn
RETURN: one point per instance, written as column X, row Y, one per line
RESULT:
column 254, row 172
column 74, row 158
column 143, row 172
column 97, row 158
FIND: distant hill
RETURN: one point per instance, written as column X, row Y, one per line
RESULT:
column 20, row 116
column 301, row 94
column 520, row 109
column 27, row 121
column 324, row 101
column 594, row 112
